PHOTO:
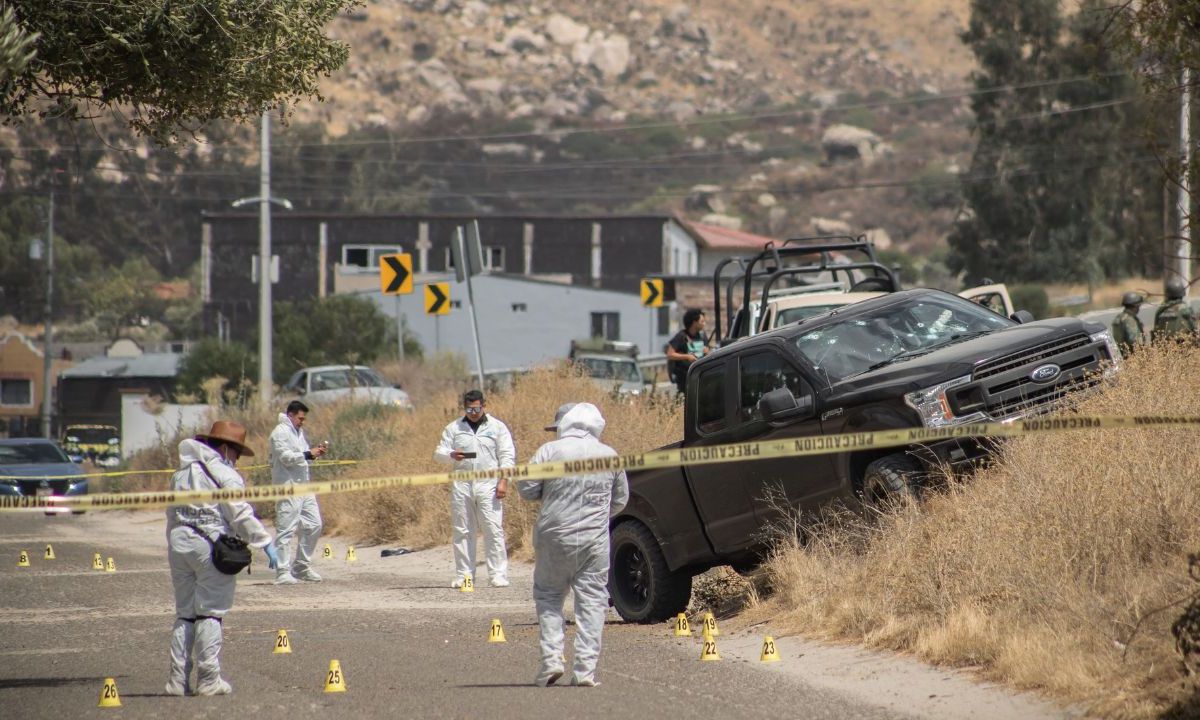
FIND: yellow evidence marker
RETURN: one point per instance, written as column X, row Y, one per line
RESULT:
column 710, row 625
column 351, row 556
column 468, row 584
column 97, row 563
column 682, row 629
column 110, row 566
column 334, row 680
column 709, row 652
column 49, row 552
column 327, row 553
column 23, row 559
column 108, row 695
column 770, row 653
column 282, row 644
column 496, row 633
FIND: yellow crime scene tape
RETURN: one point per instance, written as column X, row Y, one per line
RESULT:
column 120, row 473
column 674, row 457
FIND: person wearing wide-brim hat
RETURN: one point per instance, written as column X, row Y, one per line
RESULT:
column 204, row 594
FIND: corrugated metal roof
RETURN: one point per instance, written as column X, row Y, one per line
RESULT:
column 717, row 237
column 147, row 365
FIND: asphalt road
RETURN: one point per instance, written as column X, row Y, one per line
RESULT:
column 409, row 645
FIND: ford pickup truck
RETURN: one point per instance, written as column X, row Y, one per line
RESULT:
column 903, row 359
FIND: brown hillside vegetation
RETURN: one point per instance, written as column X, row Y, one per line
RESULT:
column 1036, row 571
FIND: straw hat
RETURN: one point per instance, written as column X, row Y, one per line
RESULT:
column 228, row 431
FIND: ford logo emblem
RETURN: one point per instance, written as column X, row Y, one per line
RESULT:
column 1045, row 373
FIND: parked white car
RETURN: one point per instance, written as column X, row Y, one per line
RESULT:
column 329, row 383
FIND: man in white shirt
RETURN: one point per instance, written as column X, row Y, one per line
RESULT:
column 477, row 441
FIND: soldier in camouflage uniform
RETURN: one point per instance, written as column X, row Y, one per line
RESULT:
column 1127, row 329
column 1175, row 319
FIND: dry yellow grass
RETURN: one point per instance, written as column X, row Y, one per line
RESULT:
column 1036, row 570
column 387, row 442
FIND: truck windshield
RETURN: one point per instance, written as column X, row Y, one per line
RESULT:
column 796, row 314
column 606, row 369
column 909, row 328
column 91, row 435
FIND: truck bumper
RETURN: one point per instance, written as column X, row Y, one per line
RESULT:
column 959, row 453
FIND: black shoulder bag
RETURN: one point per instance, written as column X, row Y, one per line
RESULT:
column 230, row 553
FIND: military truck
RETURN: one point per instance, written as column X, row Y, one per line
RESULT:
column 909, row 358
column 99, row 443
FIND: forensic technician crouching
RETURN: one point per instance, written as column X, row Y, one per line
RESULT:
column 203, row 593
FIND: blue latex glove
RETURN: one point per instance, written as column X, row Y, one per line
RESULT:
column 272, row 556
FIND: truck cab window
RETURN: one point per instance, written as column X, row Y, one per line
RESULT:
column 710, row 399
column 759, row 374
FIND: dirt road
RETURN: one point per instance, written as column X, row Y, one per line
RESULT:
column 408, row 644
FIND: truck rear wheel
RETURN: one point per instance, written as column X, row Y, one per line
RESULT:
column 643, row 589
column 894, row 477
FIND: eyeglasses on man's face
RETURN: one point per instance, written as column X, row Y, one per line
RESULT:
column 473, row 409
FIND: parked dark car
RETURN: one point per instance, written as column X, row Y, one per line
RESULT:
column 914, row 358
column 33, row 467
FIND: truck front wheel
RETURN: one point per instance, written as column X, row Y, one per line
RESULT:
column 894, row 477
column 643, row 589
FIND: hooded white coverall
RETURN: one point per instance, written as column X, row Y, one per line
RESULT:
column 474, row 504
column 299, row 516
column 203, row 594
column 570, row 542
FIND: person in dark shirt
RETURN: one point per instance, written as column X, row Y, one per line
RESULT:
column 687, row 347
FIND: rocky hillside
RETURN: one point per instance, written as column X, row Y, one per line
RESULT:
column 609, row 62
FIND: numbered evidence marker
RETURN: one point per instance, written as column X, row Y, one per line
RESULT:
column 652, row 292
column 97, row 563
column 351, row 556
column 496, row 633
column 395, row 274
column 682, row 629
column 110, row 566
column 283, row 646
column 49, row 552
column 334, row 680
column 710, row 625
column 468, row 584
column 709, row 652
column 437, row 299
column 108, row 695
column 327, row 553
column 770, row 653
column 23, row 559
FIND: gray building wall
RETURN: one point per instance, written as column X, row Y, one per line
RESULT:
column 522, row 322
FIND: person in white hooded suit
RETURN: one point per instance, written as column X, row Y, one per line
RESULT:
column 570, row 542
column 204, row 594
column 296, row 518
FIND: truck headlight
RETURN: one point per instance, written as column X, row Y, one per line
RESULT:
column 934, row 408
column 1114, row 352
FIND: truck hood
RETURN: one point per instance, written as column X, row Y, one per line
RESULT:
column 955, row 360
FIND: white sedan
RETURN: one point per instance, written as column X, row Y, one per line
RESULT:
column 329, row 383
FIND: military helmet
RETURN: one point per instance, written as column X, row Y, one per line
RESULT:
column 1132, row 299
column 1176, row 288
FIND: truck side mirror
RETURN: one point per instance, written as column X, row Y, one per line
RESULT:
column 1022, row 317
column 780, row 404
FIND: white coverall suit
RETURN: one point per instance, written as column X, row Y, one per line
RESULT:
column 203, row 594
column 299, row 516
column 570, row 543
column 474, row 504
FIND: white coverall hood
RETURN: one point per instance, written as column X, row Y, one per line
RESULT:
column 582, row 421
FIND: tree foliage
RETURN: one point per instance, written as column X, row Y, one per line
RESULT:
column 211, row 358
column 173, row 65
column 1059, row 187
column 340, row 329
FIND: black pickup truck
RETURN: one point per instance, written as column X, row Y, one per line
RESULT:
column 906, row 359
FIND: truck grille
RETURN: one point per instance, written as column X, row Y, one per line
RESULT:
column 1003, row 389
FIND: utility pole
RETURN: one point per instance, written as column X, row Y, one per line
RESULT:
column 48, row 336
column 1183, row 204
column 264, row 201
column 265, row 373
